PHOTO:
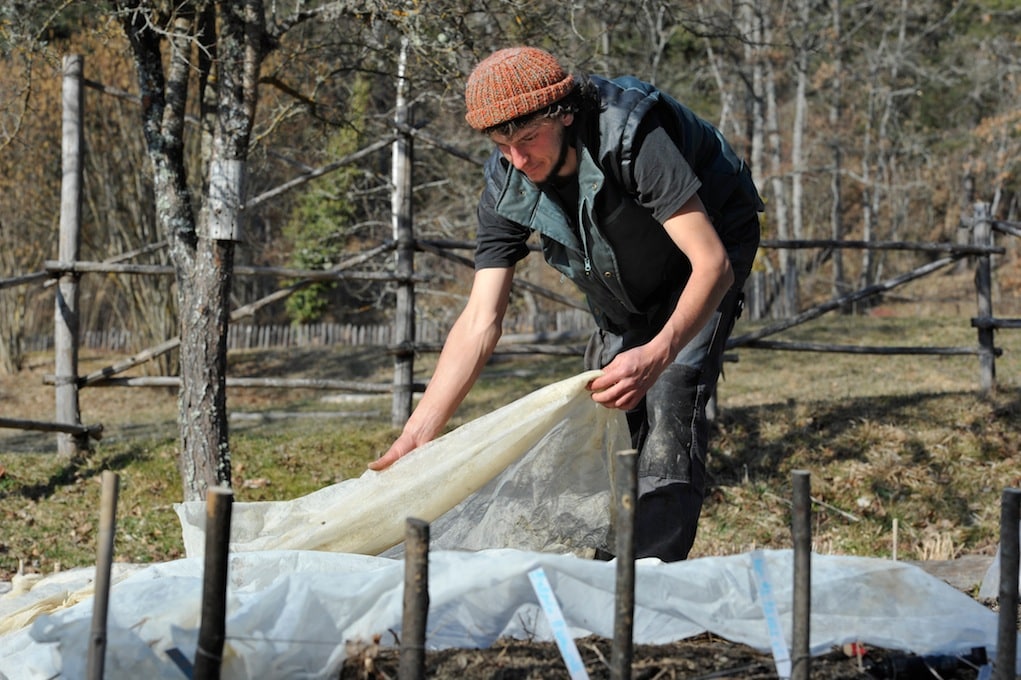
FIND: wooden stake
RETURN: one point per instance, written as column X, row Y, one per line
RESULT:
column 623, row 622
column 212, row 631
column 104, row 564
column 416, row 600
column 801, row 529
column 1004, row 666
column 895, row 538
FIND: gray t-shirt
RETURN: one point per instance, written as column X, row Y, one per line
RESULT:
column 663, row 179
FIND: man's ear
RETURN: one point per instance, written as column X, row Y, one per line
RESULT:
column 567, row 119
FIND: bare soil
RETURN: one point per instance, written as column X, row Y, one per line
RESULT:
column 700, row 658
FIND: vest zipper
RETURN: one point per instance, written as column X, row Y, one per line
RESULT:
column 584, row 237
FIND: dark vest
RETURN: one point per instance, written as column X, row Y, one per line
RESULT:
column 620, row 256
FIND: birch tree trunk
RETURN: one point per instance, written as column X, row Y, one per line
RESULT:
column 798, row 128
column 404, row 255
column 748, row 26
column 661, row 33
column 836, row 113
column 729, row 122
column 868, row 214
column 762, row 37
column 881, row 143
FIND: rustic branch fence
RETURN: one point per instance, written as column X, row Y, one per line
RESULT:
column 429, row 332
column 408, row 335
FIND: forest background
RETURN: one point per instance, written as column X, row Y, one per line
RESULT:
column 860, row 120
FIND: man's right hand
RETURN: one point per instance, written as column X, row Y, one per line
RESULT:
column 404, row 445
column 468, row 347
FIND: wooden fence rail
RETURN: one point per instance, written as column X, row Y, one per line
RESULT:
column 429, row 333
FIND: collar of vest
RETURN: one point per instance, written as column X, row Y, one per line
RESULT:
column 522, row 202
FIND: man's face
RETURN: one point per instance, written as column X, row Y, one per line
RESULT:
column 535, row 148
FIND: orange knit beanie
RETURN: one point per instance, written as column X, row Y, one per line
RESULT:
column 511, row 83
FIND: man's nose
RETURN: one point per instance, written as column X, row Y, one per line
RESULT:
column 517, row 158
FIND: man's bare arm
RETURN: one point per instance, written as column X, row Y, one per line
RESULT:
column 468, row 347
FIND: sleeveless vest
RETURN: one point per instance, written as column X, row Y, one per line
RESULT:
column 620, row 256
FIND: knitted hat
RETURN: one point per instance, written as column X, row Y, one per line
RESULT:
column 511, row 83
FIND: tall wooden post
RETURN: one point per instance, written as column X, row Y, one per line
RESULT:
column 963, row 235
column 213, row 626
column 401, row 205
column 801, row 605
column 416, row 600
column 626, row 486
column 982, row 235
column 104, row 565
column 65, row 319
column 1005, row 665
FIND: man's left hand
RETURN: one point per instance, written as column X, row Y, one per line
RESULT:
column 627, row 378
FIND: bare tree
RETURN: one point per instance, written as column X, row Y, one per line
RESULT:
column 222, row 45
column 217, row 50
column 802, row 46
column 761, row 25
column 836, row 112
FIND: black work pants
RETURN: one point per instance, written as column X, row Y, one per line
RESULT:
column 670, row 430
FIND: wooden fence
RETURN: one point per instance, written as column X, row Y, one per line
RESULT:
column 568, row 327
column 67, row 270
column 244, row 336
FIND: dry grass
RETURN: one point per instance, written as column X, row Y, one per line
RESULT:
column 888, row 440
column 905, row 441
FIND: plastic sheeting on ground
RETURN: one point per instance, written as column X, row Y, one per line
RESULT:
column 531, row 478
column 990, row 587
column 532, row 475
column 291, row 614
